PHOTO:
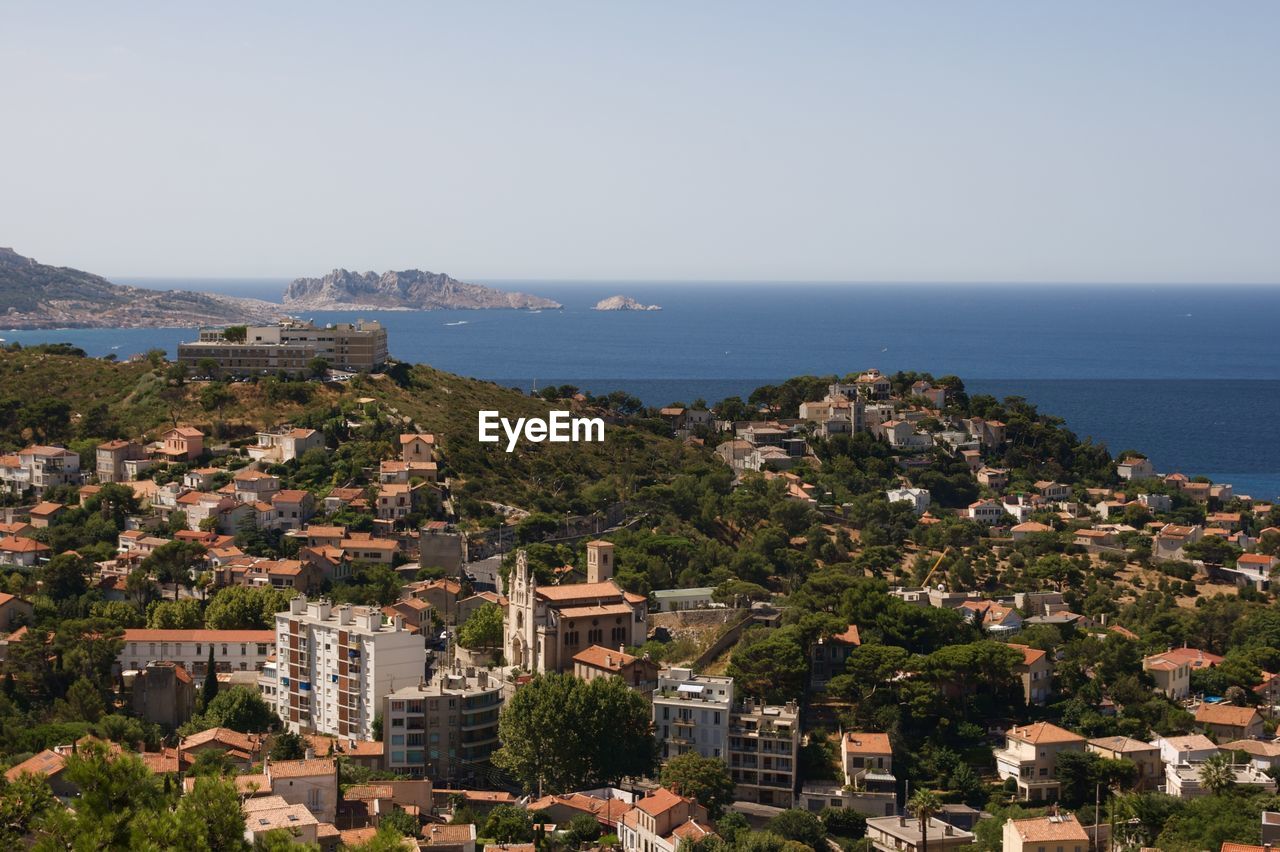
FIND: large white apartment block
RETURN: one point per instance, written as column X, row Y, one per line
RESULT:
column 691, row 713
column 233, row 650
column 337, row 663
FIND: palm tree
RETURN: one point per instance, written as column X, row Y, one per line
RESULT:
column 923, row 804
column 1217, row 775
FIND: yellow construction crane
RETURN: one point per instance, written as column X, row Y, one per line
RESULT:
column 943, row 555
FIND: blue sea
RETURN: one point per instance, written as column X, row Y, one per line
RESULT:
column 1190, row 375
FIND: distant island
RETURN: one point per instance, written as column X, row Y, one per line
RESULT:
column 36, row 295
column 407, row 290
column 623, row 303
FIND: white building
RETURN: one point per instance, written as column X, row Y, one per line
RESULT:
column 691, row 713
column 233, row 650
column 285, row 445
column 337, row 663
column 919, row 498
column 671, row 600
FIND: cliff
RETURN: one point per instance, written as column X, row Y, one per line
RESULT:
column 36, row 295
column 623, row 303
column 408, row 290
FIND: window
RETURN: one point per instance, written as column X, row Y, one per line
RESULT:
column 595, row 635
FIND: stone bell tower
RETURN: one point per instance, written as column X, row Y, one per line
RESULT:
column 599, row 561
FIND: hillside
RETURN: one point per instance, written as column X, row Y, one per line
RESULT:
column 80, row 401
column 410, row 289
column 36, row 295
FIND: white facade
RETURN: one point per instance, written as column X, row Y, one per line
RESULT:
column 337, row 663
column 919, row 498
column 691, row 713
column 233, row 650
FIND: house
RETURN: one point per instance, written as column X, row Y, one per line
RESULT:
column 49, row 765
column 829, row 654
column 111, row 457
column 1026, row 529
column 1187, row 748
column 20, row 552
column 1030, row 756
column 987, row 512
column 182, row 444
column 396, row 501
column 1144, row 755
column 1036, row 672
column 1171, row 538
column 607, row 811
column 311, row 783
column 252, row 485
column 419, row 447
column 1134, row 468
column 1053, row 491
column 264, row 814
column 661, row 822
column 233, row 650
column 1096, row 538
column 674, row 600
column 285, row 445
column 243, row 750
column 1053, row 833
column 639, row 673
column 1185, row 781
column 1228, row 722
column 1264, row 754
column 449, row 838
column 39, row 468
column 14, row 612
column 1171, row 670
column 292, row 508
column 994, row 617
column 867, row 761
column 919, row 498
column 997, row 479
column 903, row 834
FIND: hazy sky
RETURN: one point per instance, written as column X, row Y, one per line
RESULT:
column 941, row 141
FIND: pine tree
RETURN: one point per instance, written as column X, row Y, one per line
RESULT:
column 210, row 690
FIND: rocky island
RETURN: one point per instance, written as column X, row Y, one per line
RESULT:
column 36, row 295
column 407, row 290
column 623, row 303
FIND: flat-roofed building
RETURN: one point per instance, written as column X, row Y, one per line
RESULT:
column 290, row 347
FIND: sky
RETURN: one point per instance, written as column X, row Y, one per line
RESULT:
column 905, row 141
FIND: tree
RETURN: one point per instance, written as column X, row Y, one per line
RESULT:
column 244, row 608
column 239, row 708
column 235, row 333
column 923, row 804
column 209, row 690
column 287, row 746
column 174, row 615
column 844, row 822
column 400, row 821
column 65, row 576
column 583, row 828
column 509, row 824
column 769, row 664
column 317, row 367
column 174, row 562
column 1216, row 774
column 703, row 778
column 23, row 802
column 800, row 826
column 560, row 733
column 483, row 628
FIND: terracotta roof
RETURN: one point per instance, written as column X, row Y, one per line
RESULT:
column 45, row 763
column 660, row 801
column 1226, row 714
column 594, row 611
column 863, row 743
column 1257, row 748
column 222, row 736
column 18, row 544
column 365, row 792
column 1194, row 656
column 850, row 636
column 421, row 436
column 142, row 634
column 301, row 768
column 1029, row 655
column 1050, row 828
column 1044, row 732
column 1122, row 744
column 1228, row 846
column 580, row 591
column 46, row 508
column 449, row 834
column 604, row 658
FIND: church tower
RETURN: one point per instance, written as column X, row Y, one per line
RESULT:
column 599, row 561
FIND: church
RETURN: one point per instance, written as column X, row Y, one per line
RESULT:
column 545, row 626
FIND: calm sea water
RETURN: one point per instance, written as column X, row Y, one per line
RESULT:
column 1189, row 375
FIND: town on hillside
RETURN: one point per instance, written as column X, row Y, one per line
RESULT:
column 860, row 612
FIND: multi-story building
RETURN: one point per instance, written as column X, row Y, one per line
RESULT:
column 285, row 444
column 868, row 773
column 828, row 655
column 691, row 713
column 1036, row 673
column 336, row 663
column 445, row 729
column 39, row 468
column 764, row 747
column 290, row 347
column 111, row 458
column 1144, row 755
column 661, row 822
column 233, row 650
column 1030, row 756
column 545, row 626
